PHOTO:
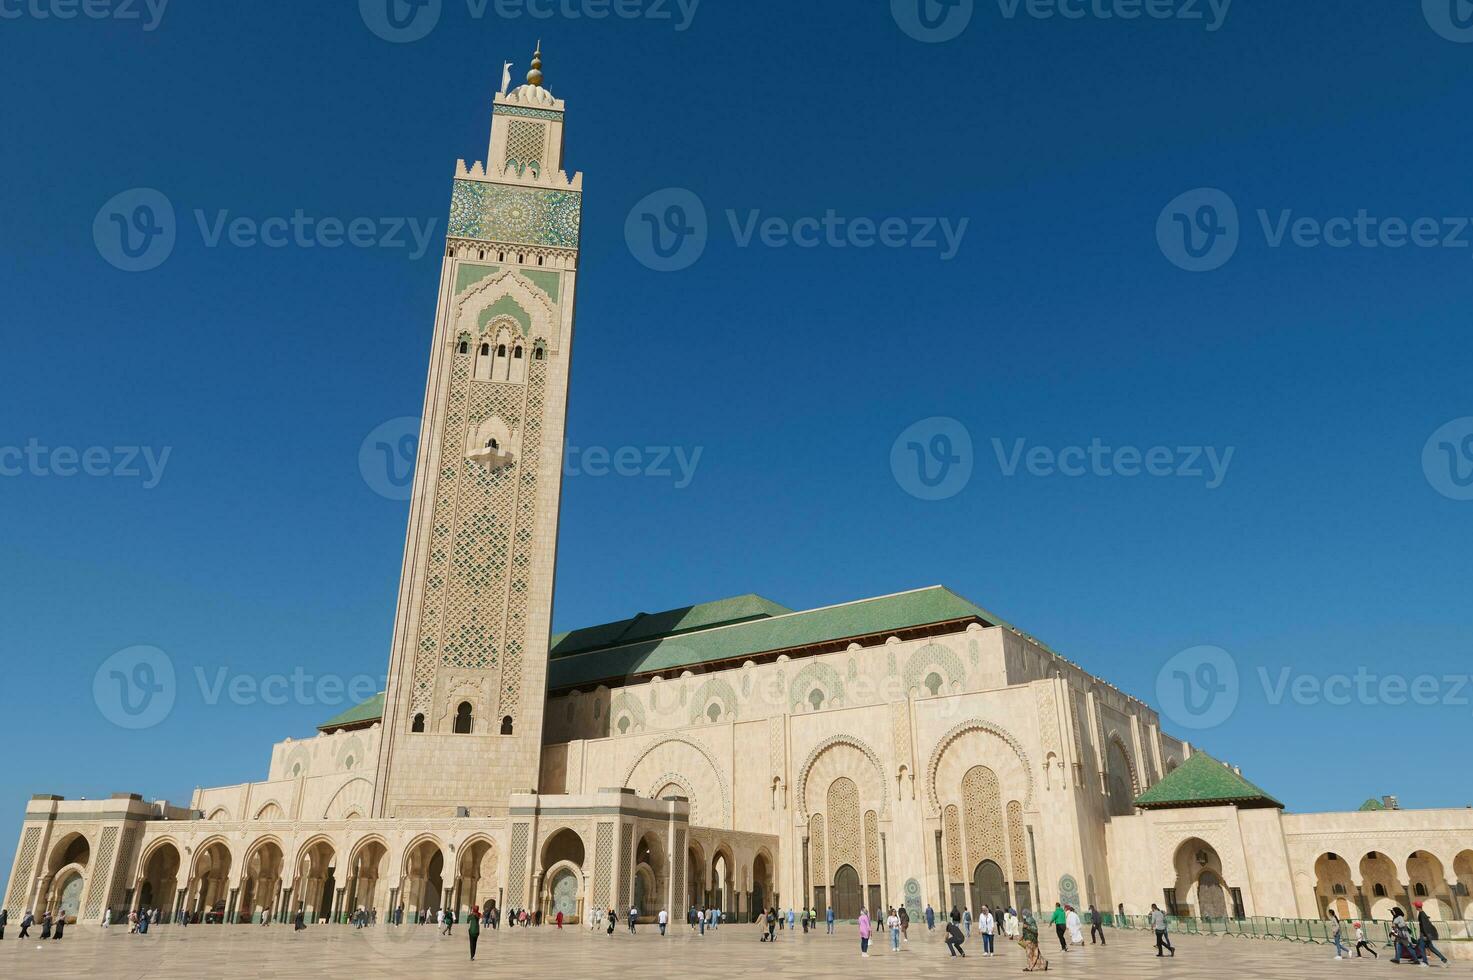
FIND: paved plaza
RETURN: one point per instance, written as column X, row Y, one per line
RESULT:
column 343, row 953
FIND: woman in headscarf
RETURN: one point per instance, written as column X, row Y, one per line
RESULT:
column 1029, row 942
column 864, row 931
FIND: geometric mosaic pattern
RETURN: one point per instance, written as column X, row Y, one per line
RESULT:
column 603, row 855
column 106, row 844
column 500, row 213
column 953, row 833
column 982, row 805
column 25, row 865
column 872, row 847
column 1015, row 840
column 524, row 145
column 843, row 814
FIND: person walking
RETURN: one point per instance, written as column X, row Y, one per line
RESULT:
column 1401, row 935
column 967, row 922
column 633, row 914
column 61, row 927
column 1361, row 944
column 955, row 938
column 1426, row 935
column 663, row 919
column 25, row 924
column 892, row 922
column 613, row 920
column 930, row 918
column 863, row 931
column 772, row 925
column 46, row 926
column 1059, row 919
column 904, row 925
column 1158, row 925
column 1028, row 927
column 790, row 918
column 1076, row 930
column 987, row 926
column 1336, row 929
column 4, row 920
column 107, row 917
column 1096, row 926
column 473, row 929
column 828, row 916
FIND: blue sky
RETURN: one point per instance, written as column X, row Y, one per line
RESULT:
column 1330, row 546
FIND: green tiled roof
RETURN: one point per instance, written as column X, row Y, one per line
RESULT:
column 360, row 714
column 1203, row 781
column 886, row 614
column 1372, row 805
column 650, row 626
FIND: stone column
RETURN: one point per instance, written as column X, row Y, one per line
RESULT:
column 230, row 906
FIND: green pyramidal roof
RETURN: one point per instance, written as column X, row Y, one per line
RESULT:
column 1203, row 781
column 360, row 715
column 1371, row 805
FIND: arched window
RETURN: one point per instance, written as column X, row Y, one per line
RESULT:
column 465, row 347
column 485, row 349
column 623, row 724
column 493, row 444
column 506, row 725
column 714, row 711
column 418, row 725
column 1420, row 890
column 933, row 683
column 1379, row 890
column 815, row 698
column 500, row 350
column 538, row 353
column 463, row 718
column 517, row 352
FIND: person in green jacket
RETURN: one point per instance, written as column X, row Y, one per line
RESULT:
column 473, row 928
column 1059, row 918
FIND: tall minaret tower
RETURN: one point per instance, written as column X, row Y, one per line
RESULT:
column 462, row 724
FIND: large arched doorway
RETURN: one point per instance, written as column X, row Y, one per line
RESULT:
column 695, row 871
column 160, row 880
column 365, row 873
column 317, row 872
column 721, row 884
column 989, row 887
column 1380, row 883
column 650, row 876
column 424, row 873
column 66, row 872
column 263, row 874
column 847, row 896
column 1334, row 887
column 211, row 882
column 761, row 883
column 562, row 888
column 1200, row 889
column 477, row 875
column 1119, row 781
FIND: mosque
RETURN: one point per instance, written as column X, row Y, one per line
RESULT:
column 912, row 748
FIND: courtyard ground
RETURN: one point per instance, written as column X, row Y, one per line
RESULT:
column 345, row 953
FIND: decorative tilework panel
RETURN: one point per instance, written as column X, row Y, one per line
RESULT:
column 843, row 814
column 1015, row 841
column 516, row 883
column 872, row 847
column 603, row 857
column 25, row 868
column 626, row 865
column 528, row 113
column 501, row 213
column 100, row 870
column 983, row 805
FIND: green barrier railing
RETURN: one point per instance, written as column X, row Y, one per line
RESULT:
column 1377, row 932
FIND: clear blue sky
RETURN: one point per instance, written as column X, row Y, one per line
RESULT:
column 262, row 549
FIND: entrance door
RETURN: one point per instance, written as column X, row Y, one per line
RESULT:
column 565, row 894
column 1211, row 900
column 846, row 893
column 988, row 887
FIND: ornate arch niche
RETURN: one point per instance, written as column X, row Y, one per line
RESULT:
column 688, row 764
column 963, row 747
column 486, row 300
column 842, row 756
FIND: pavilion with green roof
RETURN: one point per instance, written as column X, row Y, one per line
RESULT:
column 1203, row 781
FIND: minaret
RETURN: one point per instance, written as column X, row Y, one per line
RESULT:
column 468, row 668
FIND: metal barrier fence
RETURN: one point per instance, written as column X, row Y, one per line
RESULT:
column 1378, row 932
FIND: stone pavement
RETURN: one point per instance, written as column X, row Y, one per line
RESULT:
column 344, row 953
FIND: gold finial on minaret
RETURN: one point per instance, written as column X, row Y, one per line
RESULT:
column 534, row 77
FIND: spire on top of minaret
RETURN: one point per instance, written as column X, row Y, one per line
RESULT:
column 534, row 76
